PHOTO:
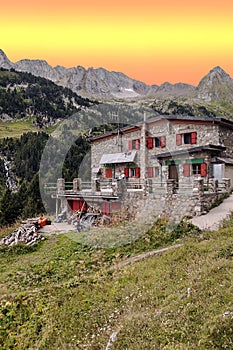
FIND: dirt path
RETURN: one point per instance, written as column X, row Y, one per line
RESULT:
column 213, row 219
column 133, row 259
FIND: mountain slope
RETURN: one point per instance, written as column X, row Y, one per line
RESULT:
column 23, row 95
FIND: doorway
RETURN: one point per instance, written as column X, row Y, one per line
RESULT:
column 173, row 173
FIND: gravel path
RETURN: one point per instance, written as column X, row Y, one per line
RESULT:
column 55, row 227
column 213, row 219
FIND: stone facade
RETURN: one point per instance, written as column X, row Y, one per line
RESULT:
column 213, row 139
column 173, row 166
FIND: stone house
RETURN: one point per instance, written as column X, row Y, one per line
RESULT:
column 181, row 148
column 169, row 165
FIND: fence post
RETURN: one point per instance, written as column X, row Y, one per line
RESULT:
column 77, row 184
column 213, row 185
column 149, row 185
column 198, row 193
column 60, row 186
column 227, row 184
column 60, row 194
column 95, row 185
column 198, row 187
column 171, row 187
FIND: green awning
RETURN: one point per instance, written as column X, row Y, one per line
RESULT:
column 195, row 161
column 170, row 162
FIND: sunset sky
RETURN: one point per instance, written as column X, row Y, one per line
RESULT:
column 150, row 40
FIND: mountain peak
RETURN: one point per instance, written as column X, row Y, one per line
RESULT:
column 2, row 53
column 4, row 62
column 218, row 69
column 216, row 85
column 217, row 75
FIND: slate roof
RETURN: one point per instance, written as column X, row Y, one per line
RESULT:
column 117, row 158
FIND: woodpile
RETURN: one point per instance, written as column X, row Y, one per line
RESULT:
column 122, row 217
column 26, row 234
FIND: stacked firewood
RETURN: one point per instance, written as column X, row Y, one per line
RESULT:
column 26, row 234
column 102, row 220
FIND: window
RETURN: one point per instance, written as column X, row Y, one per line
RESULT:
column 157, row 141
column 156, row 171
column 160, row 141
column 197, row 169
column 152, row 172
column 188, row 138
column 134, row 144
column 135, row 172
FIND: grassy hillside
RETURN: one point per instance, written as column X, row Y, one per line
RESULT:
column 62, row 295
column 192, row 107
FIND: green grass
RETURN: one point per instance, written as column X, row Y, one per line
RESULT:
column 16, row 129
column 62, row 294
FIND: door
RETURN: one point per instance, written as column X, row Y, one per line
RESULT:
column 218, row 171
column 173, row 173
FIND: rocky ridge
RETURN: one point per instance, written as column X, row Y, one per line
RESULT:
column 213, row 95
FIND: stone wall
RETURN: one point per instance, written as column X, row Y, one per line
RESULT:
column 206, row 134
column 226, row 139
column 175, row 206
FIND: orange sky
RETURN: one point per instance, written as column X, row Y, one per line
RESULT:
column 150, row 40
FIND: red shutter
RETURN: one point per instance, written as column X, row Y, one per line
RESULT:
column 186, row 169
column 108, row 173
column 105, row 208
column 130, row 145
column 75, row 206
column 163, row 141
column 137, row 172
column 150, row 171
column 179, row 139
column 137, row 144
column 126, row 172
column 203, row 169
column 150, row 142
column 193, row 138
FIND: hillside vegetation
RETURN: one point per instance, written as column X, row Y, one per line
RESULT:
column 61, row 295
column 22, row 95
